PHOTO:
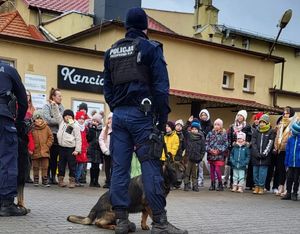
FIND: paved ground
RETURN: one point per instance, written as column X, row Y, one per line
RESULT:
column 202, row 212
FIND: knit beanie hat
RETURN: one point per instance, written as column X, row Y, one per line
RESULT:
column 83, row 106
column 265, row 118
column 68, row 112
column 80, row 115
column 38, row 114
column 242, row 113
column 219, row 122
column 136, row 18
column 196, row 124
column 258, row 115
column 206, row 112
column 241, row 135
column 296, row 128
column 179, row 121
column 171, row 125
column 97, row 117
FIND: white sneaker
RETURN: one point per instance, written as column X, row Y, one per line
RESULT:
column 275, row 190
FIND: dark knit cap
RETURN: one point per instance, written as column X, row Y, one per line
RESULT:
column 83, row 106
column 171, row 125
column 196, row 124
column 136, row 18
column 68, row 112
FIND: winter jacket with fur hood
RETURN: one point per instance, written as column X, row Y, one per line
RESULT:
column 42, row 139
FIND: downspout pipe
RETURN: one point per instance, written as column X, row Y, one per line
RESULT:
column 282, row 74
column 196, row 14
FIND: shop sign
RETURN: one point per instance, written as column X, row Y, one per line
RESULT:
column 79, row 79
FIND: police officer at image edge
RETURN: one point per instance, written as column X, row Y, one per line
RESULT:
column 135, row 76
column 11, row 124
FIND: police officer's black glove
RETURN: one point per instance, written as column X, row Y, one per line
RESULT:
column 21, row 129
column 161, row 127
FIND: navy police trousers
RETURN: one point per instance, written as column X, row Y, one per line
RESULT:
column 130, row 127
column 8, row 158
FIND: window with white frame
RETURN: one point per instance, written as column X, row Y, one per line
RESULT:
column 227, row 82
column 248, row 83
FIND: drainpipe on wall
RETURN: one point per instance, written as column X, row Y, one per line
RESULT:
column 44, row 30
column 196, row 14
column 282, row 73
column 47, row 33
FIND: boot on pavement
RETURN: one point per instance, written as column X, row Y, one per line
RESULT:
column 260, row 191
column 71, row 182
column 212, row 186
column 61, row 181
column 123, row 226
column 161, row 225
column 287, row 197
column 186, row 187
column 234, row 188
column 220, row 186
column 256, row 189
column 240, row 189
column 196, row 188
column 9, row 208
column 294, row 196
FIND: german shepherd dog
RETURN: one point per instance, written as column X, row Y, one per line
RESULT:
column 102, row 212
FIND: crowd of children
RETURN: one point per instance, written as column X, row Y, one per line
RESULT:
column 251, row 156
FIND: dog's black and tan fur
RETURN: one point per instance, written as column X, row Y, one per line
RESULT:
column 103, row 214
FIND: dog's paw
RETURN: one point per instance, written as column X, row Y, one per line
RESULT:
column 145, row 227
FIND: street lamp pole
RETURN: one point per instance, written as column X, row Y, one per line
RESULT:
column 282, row 24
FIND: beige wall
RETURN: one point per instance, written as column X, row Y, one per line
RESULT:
column 43, row 61
column 181, row 23
column 292, row 65
column 69, row 24
column 199, row 68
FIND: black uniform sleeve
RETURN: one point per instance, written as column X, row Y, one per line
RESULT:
column 160, row 85
column 108, row 85
column 19, row 91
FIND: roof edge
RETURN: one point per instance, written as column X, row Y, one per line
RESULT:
column 275, row 59
column 53, row 45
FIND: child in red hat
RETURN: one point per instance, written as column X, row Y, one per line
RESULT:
column 81, row 158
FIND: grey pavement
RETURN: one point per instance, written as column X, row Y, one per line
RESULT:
column 202, row 212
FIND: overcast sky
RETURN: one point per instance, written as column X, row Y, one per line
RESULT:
column 256, row 16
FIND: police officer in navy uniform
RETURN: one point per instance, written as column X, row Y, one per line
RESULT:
column 135, row 74
column 10, row 87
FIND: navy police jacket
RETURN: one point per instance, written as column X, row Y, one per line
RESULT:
column 11, row 82
column 133, row 92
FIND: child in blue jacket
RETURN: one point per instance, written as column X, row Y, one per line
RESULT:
column 239, row 159
column 292, row 161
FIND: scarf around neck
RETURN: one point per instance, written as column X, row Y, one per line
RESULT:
column 264, row 128
column 237, row 126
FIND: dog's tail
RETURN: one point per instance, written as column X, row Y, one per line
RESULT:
column 80, row 219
